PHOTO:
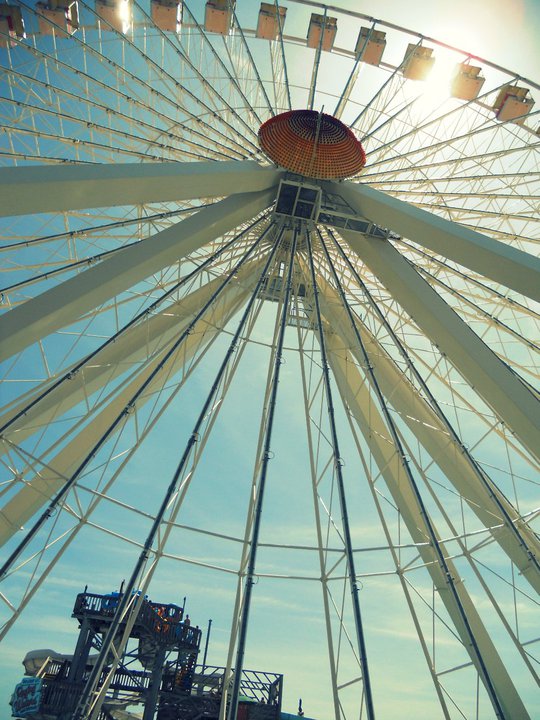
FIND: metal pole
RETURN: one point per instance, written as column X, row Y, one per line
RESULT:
column 140, row 316
column 342, row 497
column 152, row 694
column 492, row 494
column 84, row 708
column 206, row 645
column 59, row 497
column 450, row 580
column 250, row 575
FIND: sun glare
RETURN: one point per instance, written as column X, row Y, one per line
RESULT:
column 436, row 88
column 125, row 15
column 440, row 77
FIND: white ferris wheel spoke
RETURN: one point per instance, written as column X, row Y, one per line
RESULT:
column 470, row 249
column 68, row 301
column 462, row 346
column 71, row 187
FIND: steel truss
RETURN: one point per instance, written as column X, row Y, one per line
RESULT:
column 331, row 435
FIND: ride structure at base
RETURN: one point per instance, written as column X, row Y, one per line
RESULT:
column 334, row 366
column 158, row 670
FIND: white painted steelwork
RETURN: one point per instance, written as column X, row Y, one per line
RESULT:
column 498, row 261
column 502, row 389
column 62, row 305
column 117, row 147
column 28, row 190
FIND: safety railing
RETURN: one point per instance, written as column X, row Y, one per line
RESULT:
column 261, row 687
column 160, row 621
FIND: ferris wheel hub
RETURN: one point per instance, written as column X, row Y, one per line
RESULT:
column 312, row 144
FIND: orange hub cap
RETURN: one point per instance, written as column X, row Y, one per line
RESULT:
column 312, row 144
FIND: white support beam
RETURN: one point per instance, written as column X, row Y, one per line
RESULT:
column 498, row 261
column 492, row 379
column 355, row 393
column 66, row 302
column 137, row 345
column 48, row 480
column 424, row 423
column 57, row 188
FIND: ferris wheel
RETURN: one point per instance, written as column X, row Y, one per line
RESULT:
column 269, row 339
